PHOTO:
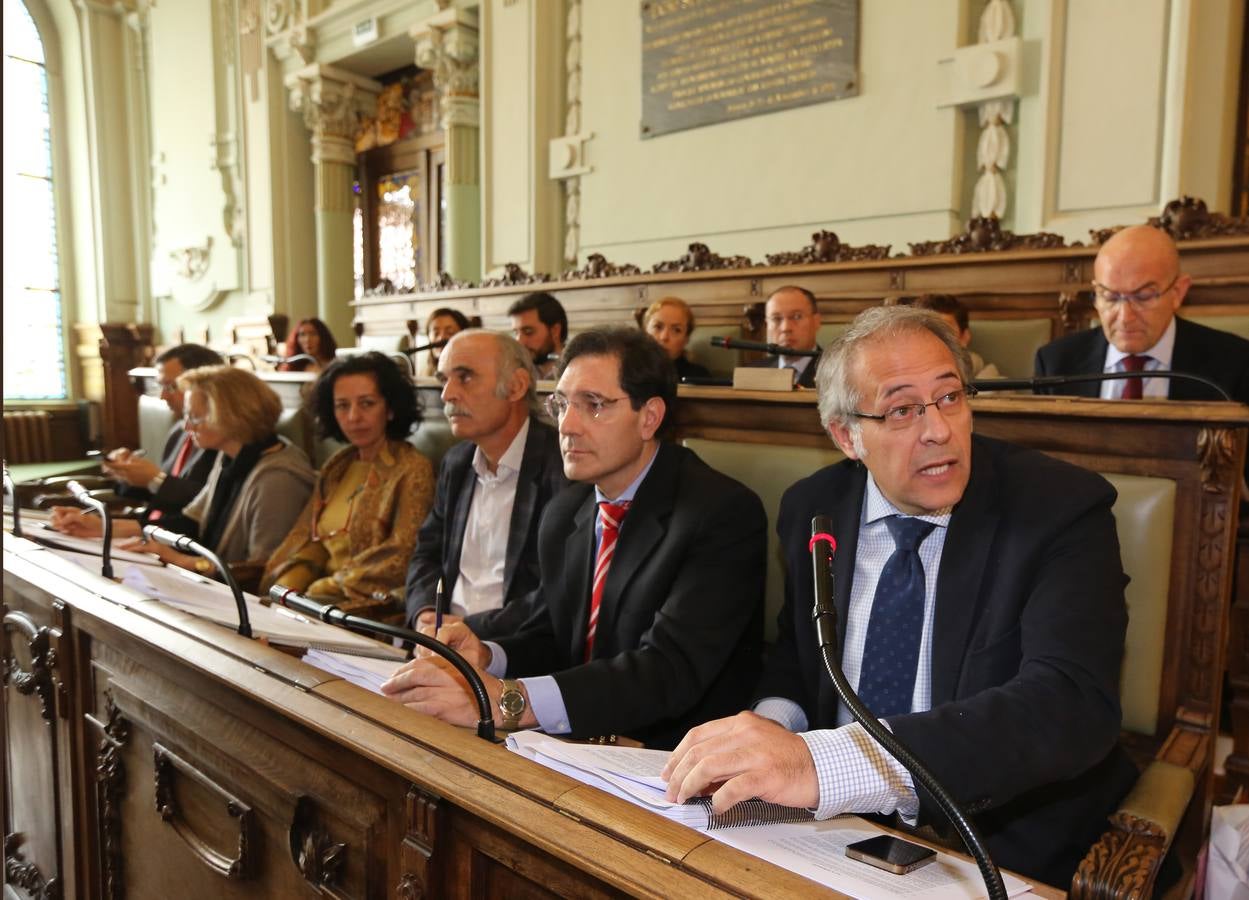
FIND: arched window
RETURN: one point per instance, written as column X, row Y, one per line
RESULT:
column 34, row 344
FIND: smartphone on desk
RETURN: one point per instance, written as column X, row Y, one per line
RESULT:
column 891, row 854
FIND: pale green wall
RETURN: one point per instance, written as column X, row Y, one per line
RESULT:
column 1124, row 104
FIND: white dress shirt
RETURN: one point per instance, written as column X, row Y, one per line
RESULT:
column 483, row 555
column 1159, row 358
column 855, row 774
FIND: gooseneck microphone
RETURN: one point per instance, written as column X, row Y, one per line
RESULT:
column 824, row 614
column 1049, row 381
column 291, row 599
column 83, row 496
column 725, row 343
column 282, row 360
column 10, row 488
column 432, row 345
column 184, row 544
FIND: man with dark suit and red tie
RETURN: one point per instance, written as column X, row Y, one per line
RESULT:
column 649, row 615
column 481, row 535
column 1138, row 286
column 980, row 610
column 184, row 467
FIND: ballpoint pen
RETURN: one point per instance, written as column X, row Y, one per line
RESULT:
column 438, row 605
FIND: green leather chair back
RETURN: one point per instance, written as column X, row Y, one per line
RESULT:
column 1145, row 519
column 434, row 438
column 768, row 471
column 155, row 420
column 719, row 362
column 1010, row 344
column 1235, row 324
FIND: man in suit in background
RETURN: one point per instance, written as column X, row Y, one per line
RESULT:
column 793, row 321
column 649, row 616
column 184, row 467
column 541, row 325
column 481, row 535
column 1137, row 288
column 981, row 593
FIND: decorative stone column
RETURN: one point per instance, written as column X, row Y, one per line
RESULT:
column 446, row 44
column 332, row 102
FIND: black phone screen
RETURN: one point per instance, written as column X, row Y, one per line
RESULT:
column 892, row 850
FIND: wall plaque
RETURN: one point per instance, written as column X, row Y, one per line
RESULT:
column 707, row 61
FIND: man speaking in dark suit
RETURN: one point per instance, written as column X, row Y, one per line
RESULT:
column 649, row 616
column 793, row 321
column 481, row 535
column 980, row 592
column 1137, row 288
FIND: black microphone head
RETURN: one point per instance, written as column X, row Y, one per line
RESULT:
column 718, row 341
column 822, row 530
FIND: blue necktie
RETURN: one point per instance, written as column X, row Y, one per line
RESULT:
column 891, row 652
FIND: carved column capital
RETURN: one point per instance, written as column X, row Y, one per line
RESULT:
column 446, row 44
column 332, row 102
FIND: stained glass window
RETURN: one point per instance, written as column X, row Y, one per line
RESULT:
column 34, row 351
column 399, row 197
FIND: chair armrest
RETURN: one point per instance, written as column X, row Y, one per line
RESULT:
column 1125, row 861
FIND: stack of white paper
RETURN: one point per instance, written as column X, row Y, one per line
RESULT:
column 361, row 671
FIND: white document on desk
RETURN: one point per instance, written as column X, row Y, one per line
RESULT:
column 817, row 850
column 92, row 546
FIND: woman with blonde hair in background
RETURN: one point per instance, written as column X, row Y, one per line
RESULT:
column 670, row 321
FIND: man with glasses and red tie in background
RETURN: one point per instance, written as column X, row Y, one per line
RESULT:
column 1137, row 289
column 649, row 614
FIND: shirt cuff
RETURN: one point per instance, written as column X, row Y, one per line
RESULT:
column 783, row 712
column 498, row 660
column 154, row 485
column 547, row 704
column 856, row 775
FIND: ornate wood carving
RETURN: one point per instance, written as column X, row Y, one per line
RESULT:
column 26, row 875
column 315, row 853
column 1185, row 219
column 38, row 680
column 826, row 247
column 984, row 234
column 1215, row 449
column 1120, row 865
column 699, row 258
column 167, row 765
column 444, row 282
column 597, row 266
column 1071, row 310
column 409, row 887
column 423, row 814
column 752, row 318
column 513, row 274
column 110, row 776
column 122, row 347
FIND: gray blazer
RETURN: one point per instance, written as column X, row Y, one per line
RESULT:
column 272, row 498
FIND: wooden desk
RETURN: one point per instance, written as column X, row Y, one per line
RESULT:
column 153, row 754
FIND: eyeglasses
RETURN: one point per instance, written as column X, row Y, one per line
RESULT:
column 906, row 415
column 190, row 421
column 1142, row 299
column 591, row 405
column 776, row 321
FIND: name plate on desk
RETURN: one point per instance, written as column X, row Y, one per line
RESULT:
column 709, row 61
column 754, row 379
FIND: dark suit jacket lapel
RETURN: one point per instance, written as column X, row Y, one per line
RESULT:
column 173, row 442
column 644, row 527
column 1188, row 356
column 463, row 483
column 1093, row 361
column 846, row 516
column 526, row 499
column 963, row 559
column 578, row 570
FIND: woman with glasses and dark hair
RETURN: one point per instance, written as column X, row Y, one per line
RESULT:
column 355, row 536
column 256, row 487
column 442, row 325
column 311, row 337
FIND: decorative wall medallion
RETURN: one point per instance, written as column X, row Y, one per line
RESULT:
column 191, row 263
column 699, row 258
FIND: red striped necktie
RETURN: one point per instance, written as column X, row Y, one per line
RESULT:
column 610, row 515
